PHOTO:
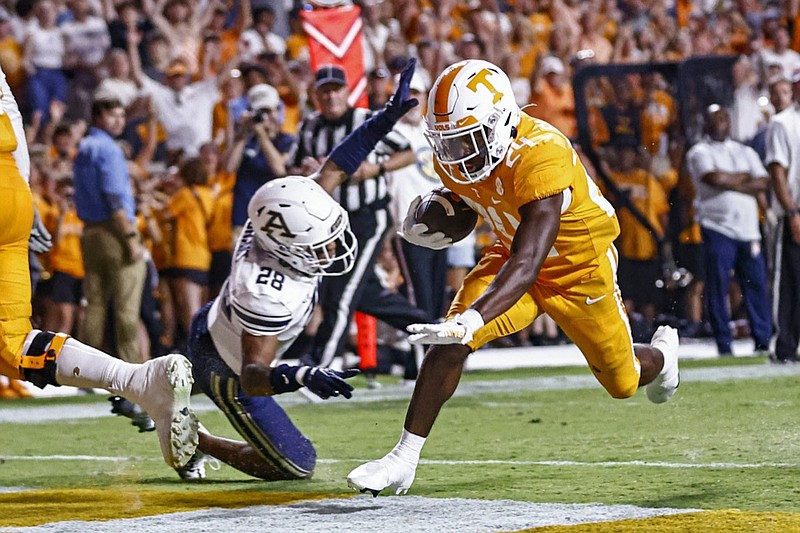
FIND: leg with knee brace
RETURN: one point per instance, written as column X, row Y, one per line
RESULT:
column 38, row 363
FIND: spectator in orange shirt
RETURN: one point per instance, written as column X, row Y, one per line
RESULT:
column 190, row 210
column 592, row 39
column 639, row 264
column 228, row 110
column 64, row 290
column 296, row 41
column 552, row 93
column 220, row 228
column 659, row 111
column 229, row 38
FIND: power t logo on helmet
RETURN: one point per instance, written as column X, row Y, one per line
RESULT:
column 472, row 119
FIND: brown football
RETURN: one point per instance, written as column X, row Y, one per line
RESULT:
column 445, row 211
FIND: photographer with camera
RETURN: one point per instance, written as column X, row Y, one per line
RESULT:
column 259, row 151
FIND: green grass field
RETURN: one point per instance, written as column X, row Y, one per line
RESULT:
column 719, row 445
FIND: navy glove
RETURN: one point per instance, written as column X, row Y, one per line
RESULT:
column 354, row 149
column 325, row 382
column 400, row 103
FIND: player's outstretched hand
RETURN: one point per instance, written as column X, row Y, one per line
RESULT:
column 40, row 240
column 400, row 103
column 458, row 330
column 417, row 233
column 326, row 382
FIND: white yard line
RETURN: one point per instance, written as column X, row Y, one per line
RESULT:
column 487, row 462
column 63, row 458
column 659, row 464
column 34, row 414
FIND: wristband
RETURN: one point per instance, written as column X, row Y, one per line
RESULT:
column 792, row 212
column 381, row 169
column 472, row 319
column 283, row 378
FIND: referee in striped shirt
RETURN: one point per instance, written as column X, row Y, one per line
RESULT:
column 364, row 196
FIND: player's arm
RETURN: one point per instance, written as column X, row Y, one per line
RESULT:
column 347, row 156
column 258, row 377
column 534, row 238
column 258, row 352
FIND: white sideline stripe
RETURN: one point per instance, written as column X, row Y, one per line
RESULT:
column 658, row 464
column 62, row 458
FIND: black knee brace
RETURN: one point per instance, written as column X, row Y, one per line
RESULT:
column 38, row 363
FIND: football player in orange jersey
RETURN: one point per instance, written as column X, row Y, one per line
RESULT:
column 554, row 255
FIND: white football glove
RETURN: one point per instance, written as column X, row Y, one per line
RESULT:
column 458, row 330
column 40, row 240
column 418, row 233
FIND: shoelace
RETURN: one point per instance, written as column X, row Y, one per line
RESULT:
column 213, row 463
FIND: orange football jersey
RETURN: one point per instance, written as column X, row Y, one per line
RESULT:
column 541, row 163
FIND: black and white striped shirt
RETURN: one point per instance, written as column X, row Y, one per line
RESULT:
column 318, row 136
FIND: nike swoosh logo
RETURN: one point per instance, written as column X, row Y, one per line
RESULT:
column 590, row 301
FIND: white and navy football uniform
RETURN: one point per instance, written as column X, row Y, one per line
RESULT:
column 262, row 296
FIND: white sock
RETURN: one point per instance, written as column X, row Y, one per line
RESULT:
column 409, row 447
column 80, row 365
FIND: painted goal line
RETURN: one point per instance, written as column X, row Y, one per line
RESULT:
column 487, row 462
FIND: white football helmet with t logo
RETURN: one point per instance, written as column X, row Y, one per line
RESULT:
column 296, row 221
column 471, row 119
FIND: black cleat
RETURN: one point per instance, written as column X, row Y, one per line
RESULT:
column 139, row 418
column 373, row 491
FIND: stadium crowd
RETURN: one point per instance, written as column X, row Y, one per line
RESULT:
column 216, row 93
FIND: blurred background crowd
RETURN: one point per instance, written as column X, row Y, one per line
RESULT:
column 215, row 93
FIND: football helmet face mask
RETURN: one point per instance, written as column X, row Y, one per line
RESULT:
column 471, row 119
column 296, row 221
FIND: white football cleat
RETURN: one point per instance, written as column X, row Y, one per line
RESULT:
column 162, row 386
column 390, row 472
column 663, row 387
column 195, row 469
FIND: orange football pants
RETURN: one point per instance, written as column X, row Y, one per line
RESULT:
column 589, row 310
column 16, row 220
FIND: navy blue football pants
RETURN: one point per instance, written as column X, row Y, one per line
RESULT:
column 259, row 420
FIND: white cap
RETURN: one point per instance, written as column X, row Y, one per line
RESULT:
column 552, row 64
column 263, row 96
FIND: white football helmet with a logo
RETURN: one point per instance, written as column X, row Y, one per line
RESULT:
column 296, row 221
column 471, row 119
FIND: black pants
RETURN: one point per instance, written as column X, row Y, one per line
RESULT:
column 787, row 289
column 360, row 290
column 425, row 273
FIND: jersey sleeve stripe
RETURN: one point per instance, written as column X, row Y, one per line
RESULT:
column 257, row 331
column 261, row 323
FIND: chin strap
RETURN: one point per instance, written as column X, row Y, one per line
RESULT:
column 38, row 363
